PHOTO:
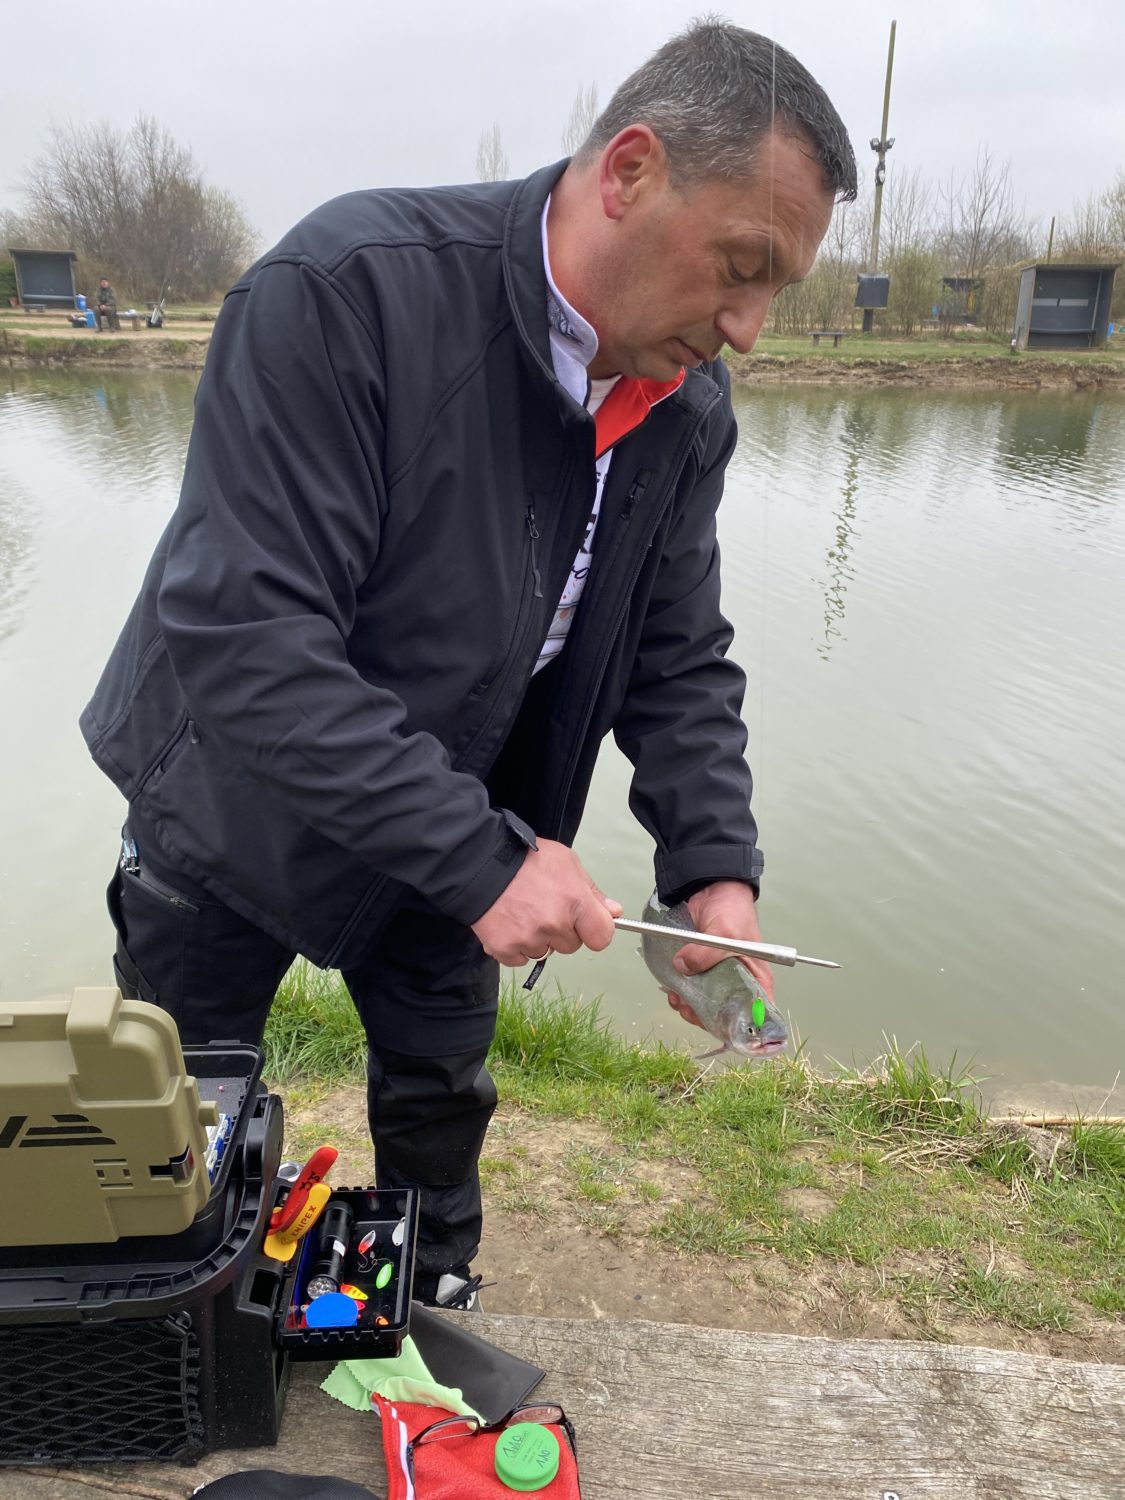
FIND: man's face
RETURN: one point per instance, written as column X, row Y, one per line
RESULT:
column 690, row 272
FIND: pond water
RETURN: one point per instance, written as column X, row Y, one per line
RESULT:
column 928, row 590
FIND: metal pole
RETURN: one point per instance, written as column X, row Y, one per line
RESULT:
column 880, row 147
column 773, row 953
column 1051, row 237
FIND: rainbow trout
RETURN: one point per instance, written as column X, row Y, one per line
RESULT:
column 727, row 999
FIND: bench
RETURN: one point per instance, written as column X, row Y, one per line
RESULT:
column 662, row 1410
column 835, row 334
column 135, row 318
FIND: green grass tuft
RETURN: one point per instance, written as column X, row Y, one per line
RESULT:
column 1097, row 1150
column 908, row 1182
column 313, row 1030
column 903, row 1094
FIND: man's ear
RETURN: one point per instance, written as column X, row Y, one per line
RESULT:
column 631, row 165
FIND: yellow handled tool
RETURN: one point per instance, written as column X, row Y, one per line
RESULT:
column 282, row 1243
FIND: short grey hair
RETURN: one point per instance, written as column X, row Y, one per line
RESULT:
column 712, row 94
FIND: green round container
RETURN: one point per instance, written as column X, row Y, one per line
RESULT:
column 527, row 1456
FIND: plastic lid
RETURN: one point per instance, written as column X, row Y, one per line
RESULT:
column 527, row 1456
column 332, row 1310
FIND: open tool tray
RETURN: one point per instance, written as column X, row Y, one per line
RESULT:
column 380, row 1210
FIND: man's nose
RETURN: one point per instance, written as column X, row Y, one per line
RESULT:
column 741, row 322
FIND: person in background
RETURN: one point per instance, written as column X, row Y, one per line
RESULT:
column 107, row 307
column 448, row 519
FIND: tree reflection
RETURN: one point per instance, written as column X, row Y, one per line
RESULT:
column 855, row 438
column 1038, row 438
column 17, row 553
column 133, row 424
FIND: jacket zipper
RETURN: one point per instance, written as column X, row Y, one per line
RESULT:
column 533, row 533
column 636, row 491
column 596, row 683
column 519, row 634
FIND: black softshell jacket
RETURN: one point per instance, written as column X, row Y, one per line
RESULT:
column 385, row 489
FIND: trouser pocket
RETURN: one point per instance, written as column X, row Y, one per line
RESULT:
column 130, row 981
column 212, row 971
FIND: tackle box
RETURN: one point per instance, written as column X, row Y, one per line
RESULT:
column 169, row 1345
column 103, row 1132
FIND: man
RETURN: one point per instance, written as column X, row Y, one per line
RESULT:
column 448, row 519
column 107, row 307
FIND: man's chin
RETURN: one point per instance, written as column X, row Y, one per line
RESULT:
column 656, row 364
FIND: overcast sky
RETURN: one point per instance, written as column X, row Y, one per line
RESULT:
column 287, row 104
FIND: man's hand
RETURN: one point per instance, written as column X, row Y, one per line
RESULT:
column 727, row 909
column 552, row 903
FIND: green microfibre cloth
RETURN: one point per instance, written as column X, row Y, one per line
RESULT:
column 404, row 1378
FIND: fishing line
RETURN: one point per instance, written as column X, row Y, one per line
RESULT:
column 764, row 571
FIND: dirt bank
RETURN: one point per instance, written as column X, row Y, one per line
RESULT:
column 49, row 346
column 182, row 345
column 551, row 1253
column 1000, row 372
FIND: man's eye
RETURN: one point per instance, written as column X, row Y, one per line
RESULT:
column 735, row 274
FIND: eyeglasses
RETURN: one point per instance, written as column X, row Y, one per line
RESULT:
column 463, row 1427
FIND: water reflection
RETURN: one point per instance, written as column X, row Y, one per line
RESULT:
column 1039, row 437
column 858, row 428
column 126, row 427
column 16, row 551
column 1067, row 453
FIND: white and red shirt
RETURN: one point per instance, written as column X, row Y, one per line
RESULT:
column 617, row 405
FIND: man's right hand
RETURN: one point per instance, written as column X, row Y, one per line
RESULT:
column 551, row 903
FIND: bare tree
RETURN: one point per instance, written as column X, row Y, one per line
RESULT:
column 981, row 225
column 908, row 213
column 1115, row 212
column 17, row 232
column 1085, row 233
column 135, row 206
column 580, row 121
column 1095, row 231
column 492, row 159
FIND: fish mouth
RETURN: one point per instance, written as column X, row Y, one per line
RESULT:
column 764, row 1047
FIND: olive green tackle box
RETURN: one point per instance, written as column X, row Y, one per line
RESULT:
column 103, row 1133
column 139, row 1316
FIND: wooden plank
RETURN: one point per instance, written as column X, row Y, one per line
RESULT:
column 665, row 1410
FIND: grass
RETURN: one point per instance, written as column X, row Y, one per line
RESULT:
column 914, row 1188
column 925, row 349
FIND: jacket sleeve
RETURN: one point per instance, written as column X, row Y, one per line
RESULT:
column 681, row 723
column 277, row 527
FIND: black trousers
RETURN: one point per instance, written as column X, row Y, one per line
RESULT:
column 426, row 994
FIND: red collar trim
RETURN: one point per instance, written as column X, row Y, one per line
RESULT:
column 627, row 406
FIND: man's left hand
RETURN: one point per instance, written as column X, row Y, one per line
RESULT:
column 727, row 909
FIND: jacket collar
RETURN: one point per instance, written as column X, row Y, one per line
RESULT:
column 524, row 276
column 526, row 283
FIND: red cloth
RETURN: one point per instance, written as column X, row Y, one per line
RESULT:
column 459, row 1468
column 627, row 406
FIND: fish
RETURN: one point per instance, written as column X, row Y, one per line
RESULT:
column 729, row 1001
